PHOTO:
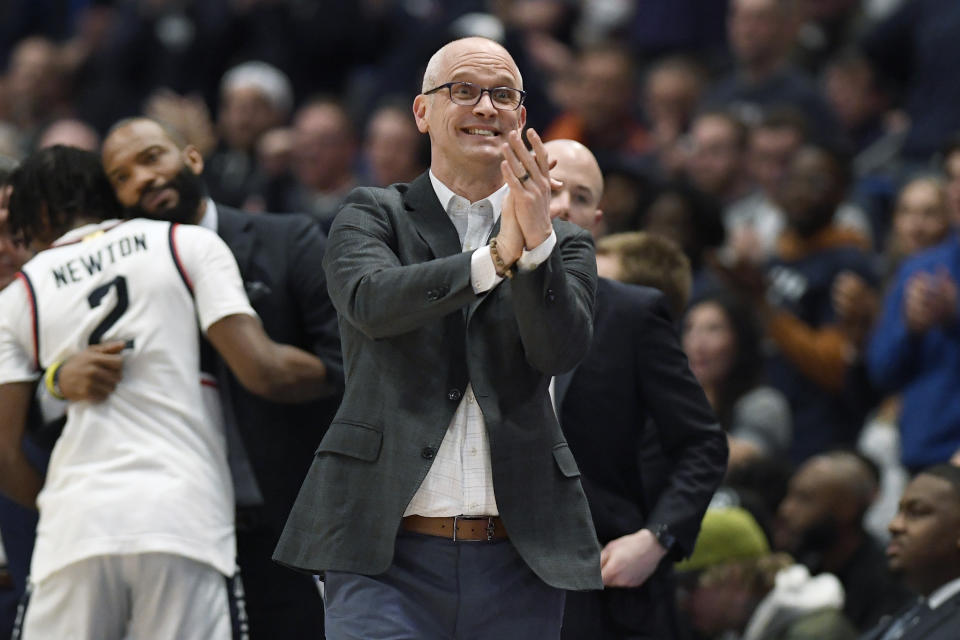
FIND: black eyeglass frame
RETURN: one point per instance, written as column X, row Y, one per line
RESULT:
column 449, row 87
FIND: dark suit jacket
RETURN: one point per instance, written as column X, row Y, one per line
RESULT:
column 645, row 438
column 942, row 623
column 414, row 334
column 871, row 589
column 280, row 259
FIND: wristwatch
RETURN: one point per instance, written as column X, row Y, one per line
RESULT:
column 666, row 539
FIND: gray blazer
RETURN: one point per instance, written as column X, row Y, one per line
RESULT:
column 414, row 334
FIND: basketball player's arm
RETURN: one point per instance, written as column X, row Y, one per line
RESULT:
column 93, row 373
column 19, row 481
column 277, row 372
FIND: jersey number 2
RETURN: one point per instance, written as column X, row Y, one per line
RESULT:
column 123, row 300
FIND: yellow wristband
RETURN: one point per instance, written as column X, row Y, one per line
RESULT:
column 52, row 381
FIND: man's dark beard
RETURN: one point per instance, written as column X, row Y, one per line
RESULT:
column 190, row 191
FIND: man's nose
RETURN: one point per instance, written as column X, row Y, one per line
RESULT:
column 896, row 524
column 485, row 108
column 142, row 178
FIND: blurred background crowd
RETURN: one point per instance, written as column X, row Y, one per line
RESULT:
column 803, row 154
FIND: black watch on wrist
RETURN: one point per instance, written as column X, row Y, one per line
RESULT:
column 666, row 539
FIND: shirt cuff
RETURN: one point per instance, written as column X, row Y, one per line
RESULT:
column 530, row 260
column 483, row 274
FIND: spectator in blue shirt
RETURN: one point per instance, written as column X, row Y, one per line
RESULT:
column 915, row 349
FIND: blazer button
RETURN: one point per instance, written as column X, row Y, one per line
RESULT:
column 454, row 394
column 550, row 296
column 428, row 453
column 432, row 295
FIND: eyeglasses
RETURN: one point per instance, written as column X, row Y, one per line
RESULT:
column 468, row 94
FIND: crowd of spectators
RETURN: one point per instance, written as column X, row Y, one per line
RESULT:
column 802, row 153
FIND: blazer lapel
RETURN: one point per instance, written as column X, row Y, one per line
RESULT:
column 430, row 219
column 562, row 381
column 561, row 384
column 236, row 229
column 434, row 225
column 495, row 230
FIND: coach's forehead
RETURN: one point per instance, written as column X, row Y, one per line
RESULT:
column 472, row 57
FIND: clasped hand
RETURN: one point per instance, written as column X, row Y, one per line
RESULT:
column 92, row 374
column 629, row 560
column 525, row 219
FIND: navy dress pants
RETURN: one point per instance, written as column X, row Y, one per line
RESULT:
column 438, row 589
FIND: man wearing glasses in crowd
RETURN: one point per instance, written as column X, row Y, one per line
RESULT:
column 444, row 501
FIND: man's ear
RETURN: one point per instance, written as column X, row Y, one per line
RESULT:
column 193, row 159
column 420, row 113
column 523, row 118
column 597, row 215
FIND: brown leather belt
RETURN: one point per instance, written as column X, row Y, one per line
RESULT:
column 458, row 528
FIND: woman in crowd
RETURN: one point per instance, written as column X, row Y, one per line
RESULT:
column 721, row 337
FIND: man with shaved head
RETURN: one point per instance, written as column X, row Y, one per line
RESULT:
column 578, row 199
column 820, row 523
column 648, row 445
column 444, row 501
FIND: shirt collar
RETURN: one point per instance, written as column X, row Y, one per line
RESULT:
column 445, row 195
column 210, row 219
column 944, row 593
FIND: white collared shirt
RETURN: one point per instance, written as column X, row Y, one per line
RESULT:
column 460, row 480
column 944, row 593
column 474, row 234
column 210, row 218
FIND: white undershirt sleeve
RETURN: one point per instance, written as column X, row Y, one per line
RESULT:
column 530, row 260
column 483, row 275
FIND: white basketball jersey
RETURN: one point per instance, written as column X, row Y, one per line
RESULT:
column 145, row 470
